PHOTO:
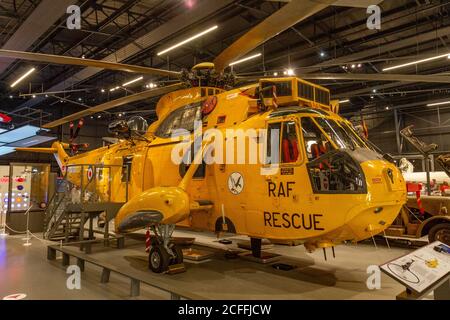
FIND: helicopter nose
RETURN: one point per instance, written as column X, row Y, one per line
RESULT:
column 139, row 219
column 386, row 194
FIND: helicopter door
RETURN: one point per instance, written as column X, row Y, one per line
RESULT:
column 197, row 190
column 284, row 157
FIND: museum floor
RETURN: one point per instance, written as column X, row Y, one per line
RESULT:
column 26, row 270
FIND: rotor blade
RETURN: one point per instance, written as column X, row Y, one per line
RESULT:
column 115, row 103
column 54, row 59
column 289, row 15
column 361, row 77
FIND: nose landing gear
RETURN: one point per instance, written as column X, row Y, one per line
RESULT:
column 163, row 253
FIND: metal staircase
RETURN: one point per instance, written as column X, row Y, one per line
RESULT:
column 61, row 223
column 67, row 213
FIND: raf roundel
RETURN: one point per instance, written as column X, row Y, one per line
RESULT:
column 90, row 173
column 236, row 183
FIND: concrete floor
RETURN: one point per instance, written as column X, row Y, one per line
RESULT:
column 26, row 270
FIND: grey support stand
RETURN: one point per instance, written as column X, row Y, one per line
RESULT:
column 441, row 291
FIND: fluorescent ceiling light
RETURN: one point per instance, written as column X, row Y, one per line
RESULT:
column 438, row 104
column 114, row 89
column 344, row 101
column 417, row 62
column 246, row 59
column 132, row 81
column 188, row 40
column 23, row 77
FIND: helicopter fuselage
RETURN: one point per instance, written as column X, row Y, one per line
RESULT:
column 325, row 185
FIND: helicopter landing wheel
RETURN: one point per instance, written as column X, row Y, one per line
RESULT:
column 162, row 254
column 158, row 259
column 177, row 255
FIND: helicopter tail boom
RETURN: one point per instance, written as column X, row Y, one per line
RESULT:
column 39, row 150
column 57, row 149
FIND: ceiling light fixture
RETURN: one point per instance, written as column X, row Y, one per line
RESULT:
column 289, row 72
column 132, row 81
column 344, row 101
column 245, row 59
column 188, row 40
column 23, row 77
column 417, row 62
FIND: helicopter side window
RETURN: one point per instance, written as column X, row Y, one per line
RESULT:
column 289, row 144
column 182, row 118
column 126, row 168
column 273, row 143
column 282, row 143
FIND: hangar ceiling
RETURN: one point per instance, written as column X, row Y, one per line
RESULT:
column 335, row 40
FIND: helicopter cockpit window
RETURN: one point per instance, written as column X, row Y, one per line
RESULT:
column 337, row 134
column 336, row 172
column 360, row 141
column 138, row 125
column 331, row 170
column 315, row 141
column 182, row 118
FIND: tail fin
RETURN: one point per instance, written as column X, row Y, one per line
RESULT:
column 57, row 149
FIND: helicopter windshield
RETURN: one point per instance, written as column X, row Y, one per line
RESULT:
column 179, row 121
column 331, row 168
column 340, row 135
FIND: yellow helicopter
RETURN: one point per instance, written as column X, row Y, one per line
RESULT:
column 271, row 160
